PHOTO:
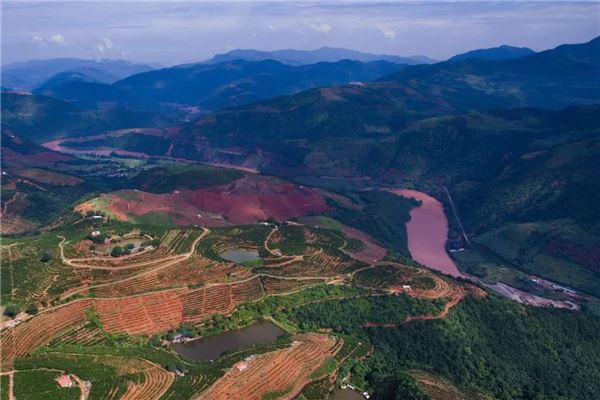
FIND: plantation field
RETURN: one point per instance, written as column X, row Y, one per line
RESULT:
column 41, row 385
column 280, row 373
column 98, row 314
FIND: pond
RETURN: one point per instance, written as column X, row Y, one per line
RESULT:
column 211, row 347
column 240, row 256
column 346, row 394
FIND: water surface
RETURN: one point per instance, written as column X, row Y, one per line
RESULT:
column 239, row 256
column 427, row 233
column 211, row 347
column 346, row 394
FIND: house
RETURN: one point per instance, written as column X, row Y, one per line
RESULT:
column 241, row 366
column 95, row 233
column 64, row 381
column 405, row 287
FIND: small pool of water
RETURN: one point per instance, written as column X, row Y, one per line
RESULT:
column 346, row 394
column 211, row 347
column 240, row 255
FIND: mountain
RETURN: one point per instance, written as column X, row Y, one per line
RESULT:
column 557, row 78
column 80, row 89
column 41, row 118
column 212, row 86
column 323, row 54
column 27, row 75
column 503, row 52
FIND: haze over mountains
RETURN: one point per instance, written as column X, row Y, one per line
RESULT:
column 127, row 197
column 323, row 54
column 213, row 86
column 28, row 75
column 428, row 125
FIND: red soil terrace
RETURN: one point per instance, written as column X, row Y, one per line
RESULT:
column 247, row 200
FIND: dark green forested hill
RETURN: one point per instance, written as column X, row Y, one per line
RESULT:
column 555, row 78
column 493, row 346
column 42, row 118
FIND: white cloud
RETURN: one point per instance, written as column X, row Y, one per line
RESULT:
column 108, row 44
column 42, row 41
column 100, row 48
column 271, row 28
column 38, row 40
column 323, row 28
column 57, row 38
column 388, row 33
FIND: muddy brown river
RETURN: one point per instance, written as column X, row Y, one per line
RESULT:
column 427, row 233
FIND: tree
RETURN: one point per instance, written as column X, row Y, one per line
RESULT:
column 117, row 251
column 46, row 256
column 11, row 311
column 32, row 310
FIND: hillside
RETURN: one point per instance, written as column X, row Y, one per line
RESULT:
column 323, row 54
column 503, row 52
column 216, row 85
column 42, row 118
column 27, row 75
column 552, row 79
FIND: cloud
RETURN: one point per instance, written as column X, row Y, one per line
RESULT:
column 388, row 33
column 105, row 47
column 38, row 40
column 322, row 28
column 57, row 38
column 108, row 44
column 42, row 41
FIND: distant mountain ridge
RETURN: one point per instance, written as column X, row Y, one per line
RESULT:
column 213, row 86
column 27, row 75
column 503, row 52
column 323, row 54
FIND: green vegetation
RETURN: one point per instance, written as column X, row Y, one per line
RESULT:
column 401, row 386
column 558, row 250
column 316, row 390
column 275, row 394
column 326, row 368
column 41, row 385
column 350, row 315
column 4, row 387
column 166, row 178
column 492, row 346
column 382, row 215
column 278, row 307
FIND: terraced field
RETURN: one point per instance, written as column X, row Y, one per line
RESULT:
column 282, row 373
column 185, row 281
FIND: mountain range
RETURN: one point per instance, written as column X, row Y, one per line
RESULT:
column 323, row 54
column 212, row 86
column 28, row 75
column 503, row 52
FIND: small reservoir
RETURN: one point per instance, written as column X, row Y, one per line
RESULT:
column 240, row 256
column 211, row 347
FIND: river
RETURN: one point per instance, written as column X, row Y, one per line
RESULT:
column 427, row 233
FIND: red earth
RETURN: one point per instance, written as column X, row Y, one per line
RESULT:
column 247, row 200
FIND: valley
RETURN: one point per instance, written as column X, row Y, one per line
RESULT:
column 300, row 224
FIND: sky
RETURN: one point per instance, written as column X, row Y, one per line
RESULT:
column 172, row 32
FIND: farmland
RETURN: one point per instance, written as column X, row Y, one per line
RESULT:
column 106, row 317
column 94, row 304
column 276, row 374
